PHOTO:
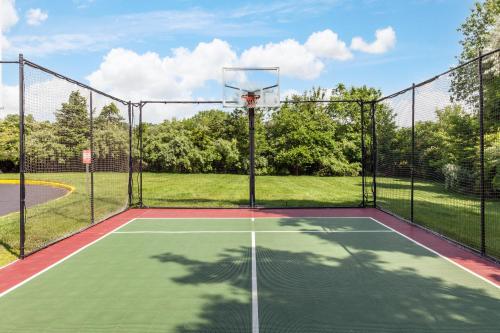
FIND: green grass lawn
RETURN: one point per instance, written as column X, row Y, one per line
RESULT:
column 452, row 214
column 57, row 218
column 226, row 190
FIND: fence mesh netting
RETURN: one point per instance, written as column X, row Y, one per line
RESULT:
column 309, row 154
column 491, row 84
column 429, row 154
column 446, row 160
column 306, row 155
column 393, row 134
column 9, row 163
column 65, row 193
column 193, row 156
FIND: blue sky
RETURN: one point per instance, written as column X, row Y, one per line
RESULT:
column 419, row 39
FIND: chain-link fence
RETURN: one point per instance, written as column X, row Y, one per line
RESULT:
column 438, row 154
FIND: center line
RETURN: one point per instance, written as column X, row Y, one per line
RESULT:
column 255, row 301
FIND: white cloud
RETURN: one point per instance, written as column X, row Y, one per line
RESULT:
column 9, row 100
column 327, row 44
column 289, row 93
column 8, row 18
column 44, row 45
column 385, row 39
column 8, row 15
column 149, row 76
column 292, row 57
column 81, row 4
column 35, row 16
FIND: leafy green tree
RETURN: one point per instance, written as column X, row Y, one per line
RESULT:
column 302, row 139
column 72, row 123
column 110, row 140
column 109, row 115
column 44, row 151
column 448, row 147
column 236, row 127
column 492, row 163
column 477, row 35
column 9, row 143
column 168, row 147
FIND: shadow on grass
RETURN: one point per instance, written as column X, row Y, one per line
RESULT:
column 309, row 292
column 8, row 247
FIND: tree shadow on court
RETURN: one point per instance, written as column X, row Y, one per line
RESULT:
column 365, row 242
column 303, row 291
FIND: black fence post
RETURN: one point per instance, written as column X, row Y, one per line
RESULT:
column 251, row 133
column 130, row 165
column 140, row 154
column 481, row 154
column 22, row 159
column 92, row 160
column 363, row 152
column 412, row 158
column 374, row 153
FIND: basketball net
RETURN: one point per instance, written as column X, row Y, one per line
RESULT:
column 250, row 99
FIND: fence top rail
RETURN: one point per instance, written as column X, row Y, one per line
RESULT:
column 78, row 83
column 286, row 101
column 9, row 61
column 468, row 62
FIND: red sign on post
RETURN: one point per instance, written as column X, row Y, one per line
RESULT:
column 87, row 156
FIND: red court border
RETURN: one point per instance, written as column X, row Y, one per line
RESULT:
column 21, row 270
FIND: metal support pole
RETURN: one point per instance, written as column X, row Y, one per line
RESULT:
column 92, row 160
column 374, row 153
column 130, row 165
column 140, row 155
column 412, row 165
column 22, row 160
column 481, row 154
column 251, row 132
column 363, row 153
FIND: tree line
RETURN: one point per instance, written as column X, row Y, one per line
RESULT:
column 298, row 138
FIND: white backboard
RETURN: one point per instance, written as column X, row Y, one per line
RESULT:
column 261, row 81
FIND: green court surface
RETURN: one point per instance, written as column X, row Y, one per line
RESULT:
column 245, row 275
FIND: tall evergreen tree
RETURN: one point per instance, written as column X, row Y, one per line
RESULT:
column 72, row 123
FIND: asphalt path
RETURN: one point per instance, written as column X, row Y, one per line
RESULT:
column 35, row 194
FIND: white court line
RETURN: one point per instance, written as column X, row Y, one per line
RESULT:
column 114, row 231
column 62, row 260
column 255, row 296
column 251, row 231
column 439, row 254
column 249, row 218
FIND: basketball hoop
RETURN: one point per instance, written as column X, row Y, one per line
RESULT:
column 250, row 87
column 250, row 99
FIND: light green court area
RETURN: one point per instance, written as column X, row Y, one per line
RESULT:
column 195, row 275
